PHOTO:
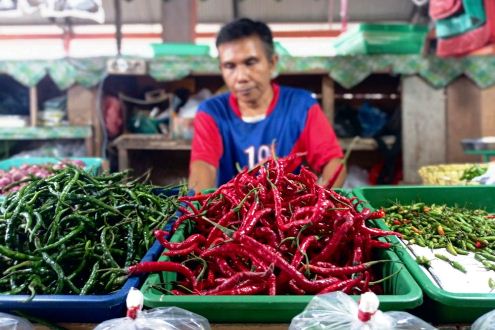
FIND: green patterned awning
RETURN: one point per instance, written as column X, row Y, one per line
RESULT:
column 348, row 71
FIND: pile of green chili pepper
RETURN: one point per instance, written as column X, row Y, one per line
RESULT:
column 473, row 172
column 73, row 232
column 458, row 230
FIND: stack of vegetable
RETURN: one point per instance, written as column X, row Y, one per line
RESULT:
column 269, row 231
column 72, row 233
column 458, row 230
column 13, row 178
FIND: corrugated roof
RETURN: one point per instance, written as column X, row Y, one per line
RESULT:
column 218, row 11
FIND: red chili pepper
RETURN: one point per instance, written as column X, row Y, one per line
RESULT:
column 243, row 290
column 237, row 278
column 183, row 252
column 379, row 244
column 295, row 289
column 341, row 285
column 305, row 244
column 378, row 214
column 267, row 234
column 337, row 237
column 224, row 267
column 379, row 232
column 346, row 270
column 251, row 219
column 195, row 239
column 215, row 231
column 265, row 252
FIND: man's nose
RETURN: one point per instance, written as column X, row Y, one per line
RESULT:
column 242, row 73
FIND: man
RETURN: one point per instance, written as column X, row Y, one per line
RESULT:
column 238, row 128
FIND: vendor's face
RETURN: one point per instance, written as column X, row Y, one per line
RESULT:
column 246, row 69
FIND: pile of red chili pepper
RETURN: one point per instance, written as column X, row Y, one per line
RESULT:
column 270, row 231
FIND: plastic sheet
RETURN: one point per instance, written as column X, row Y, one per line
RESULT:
column 338, row 311
column 11, row 322
column 169, row 318
column 485, row 322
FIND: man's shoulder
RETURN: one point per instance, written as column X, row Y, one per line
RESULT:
column 220, row 100
column 298, row 95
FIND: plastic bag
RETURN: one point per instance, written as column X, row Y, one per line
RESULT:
column 84, row 9
column 169, row 318
column 11, row 322
column 485, row 322
column 338, row 311
column 10, row 8
column 488, row 177
column 372, row 119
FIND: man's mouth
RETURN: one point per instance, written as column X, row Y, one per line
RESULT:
column 244, row 91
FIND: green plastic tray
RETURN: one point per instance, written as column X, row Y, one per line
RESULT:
column 439, row 306
column 176, row 48
column 401, row 293
column 381, row 39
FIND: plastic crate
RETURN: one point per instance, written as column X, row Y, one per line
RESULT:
column 93, row 164
column 87, row 308
column 401, row 293
column 439, row 306
column 381, row 39
column 167, row 49
column 446, row 174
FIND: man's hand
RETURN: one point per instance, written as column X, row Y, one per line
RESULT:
column 328, row 172
column 202, row 175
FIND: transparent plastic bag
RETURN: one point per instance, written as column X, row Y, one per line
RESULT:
column 338, row 311
column 485, row 322
column 11, row 322
column 84, row 9
column 167, row 318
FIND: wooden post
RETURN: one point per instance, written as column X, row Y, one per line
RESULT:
column 328, row 97
column 470, row 115
column 423, row 126
column 178, row 20
column 33, row 106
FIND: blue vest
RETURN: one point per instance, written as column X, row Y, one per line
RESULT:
column 246, row 144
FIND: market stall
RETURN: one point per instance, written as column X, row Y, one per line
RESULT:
column 171, row 200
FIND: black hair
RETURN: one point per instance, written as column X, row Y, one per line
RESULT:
column 243, row 28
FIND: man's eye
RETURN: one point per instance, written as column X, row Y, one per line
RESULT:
column 228, row 66
column 251, row 61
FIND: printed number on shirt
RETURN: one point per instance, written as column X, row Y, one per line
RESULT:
column 257, row 156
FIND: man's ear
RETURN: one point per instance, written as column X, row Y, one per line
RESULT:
column 274, row 59
column 274, row 62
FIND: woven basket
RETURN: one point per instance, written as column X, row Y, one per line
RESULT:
column 446, row 174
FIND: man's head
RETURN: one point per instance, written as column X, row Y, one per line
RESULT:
column 243, row 28
column 247, row 60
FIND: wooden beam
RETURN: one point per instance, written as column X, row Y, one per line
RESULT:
column 178, row 20
column 423, row 126
column 463, row 118
column 33, row 106
column 328, row 97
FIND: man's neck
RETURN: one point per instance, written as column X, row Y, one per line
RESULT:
column 257, row 107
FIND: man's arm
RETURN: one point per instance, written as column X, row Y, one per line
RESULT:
column 330, row 169
column 202, row 175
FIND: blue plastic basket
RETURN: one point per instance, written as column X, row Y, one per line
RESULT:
column 86, row 308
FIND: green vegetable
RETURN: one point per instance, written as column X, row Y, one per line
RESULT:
column 74, row 233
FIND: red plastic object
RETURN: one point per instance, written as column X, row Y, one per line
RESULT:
column 490, row 17
column 443, row 8
column 472, row 40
